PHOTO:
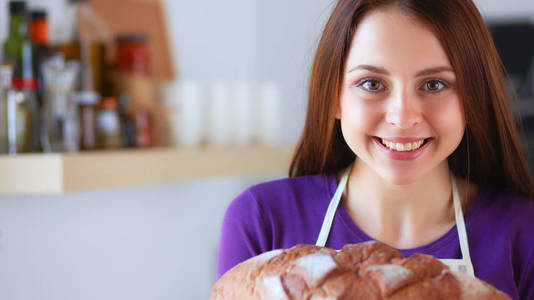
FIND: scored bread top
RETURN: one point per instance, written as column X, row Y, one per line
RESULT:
column 370, row 270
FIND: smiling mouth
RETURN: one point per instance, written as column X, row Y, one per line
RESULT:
column 402, row 147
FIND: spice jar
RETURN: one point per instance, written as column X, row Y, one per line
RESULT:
column 108, row 124
column 132, row 54
column 88, row 106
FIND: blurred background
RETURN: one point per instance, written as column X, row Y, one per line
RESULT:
column 99, row 98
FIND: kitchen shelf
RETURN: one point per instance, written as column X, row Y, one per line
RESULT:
column 58, row 173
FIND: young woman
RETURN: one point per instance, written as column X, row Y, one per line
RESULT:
column 409, row 140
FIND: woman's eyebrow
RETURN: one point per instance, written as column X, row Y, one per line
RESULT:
column 435, row 70
column 381, row 70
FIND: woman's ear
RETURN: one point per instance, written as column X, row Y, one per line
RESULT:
column 338, row 112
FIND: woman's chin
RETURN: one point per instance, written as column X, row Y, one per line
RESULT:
column 399, row 178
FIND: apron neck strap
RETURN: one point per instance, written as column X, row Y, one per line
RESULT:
column 460, row 226
column 458, row 214
column 332, row 207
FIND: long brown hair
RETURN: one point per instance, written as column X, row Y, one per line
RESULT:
column 489, row 152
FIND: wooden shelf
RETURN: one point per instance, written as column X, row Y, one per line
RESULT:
column 58, row 173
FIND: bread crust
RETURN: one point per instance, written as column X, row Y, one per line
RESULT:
column 370, row 270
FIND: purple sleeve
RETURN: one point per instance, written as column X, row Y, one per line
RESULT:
column 243, row 233
column 526, row 284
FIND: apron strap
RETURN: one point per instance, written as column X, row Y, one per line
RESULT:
column 460, row 226
column 331, row 211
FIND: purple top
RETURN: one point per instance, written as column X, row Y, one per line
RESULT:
column 287, row 212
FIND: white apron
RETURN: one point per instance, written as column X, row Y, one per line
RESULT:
column 462, row 265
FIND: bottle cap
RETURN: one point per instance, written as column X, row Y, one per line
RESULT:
column 17, row 7
column 109, row 103
column 38, row 14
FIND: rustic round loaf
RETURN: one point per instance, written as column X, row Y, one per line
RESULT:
column 369, row 271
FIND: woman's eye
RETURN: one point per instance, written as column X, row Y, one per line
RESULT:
column 371, row 85
column 434, row 85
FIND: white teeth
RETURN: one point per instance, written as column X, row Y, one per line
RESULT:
column 402, row 147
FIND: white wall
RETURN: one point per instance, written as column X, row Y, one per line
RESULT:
column 255, row 41
column 506, row 9
column 157, row 242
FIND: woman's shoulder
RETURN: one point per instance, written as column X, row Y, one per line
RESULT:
column 505, row 200
column 505, row 210
column 303, row 184
column 281, row 192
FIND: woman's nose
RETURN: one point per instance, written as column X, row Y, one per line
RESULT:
column 403, row 111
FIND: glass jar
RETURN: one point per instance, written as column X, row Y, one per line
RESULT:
column 87, row 111
column 132, row 54
column 60, row 111
column 108, row 124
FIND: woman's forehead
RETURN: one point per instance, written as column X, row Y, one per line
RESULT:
column 396, row 42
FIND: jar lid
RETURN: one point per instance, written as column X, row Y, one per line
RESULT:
column 38, row 14
column 135, row 37
column 23, row 83
column 87, row 98
column 109, row 103
column 17, row 7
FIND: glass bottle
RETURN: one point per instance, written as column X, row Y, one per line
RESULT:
column 128, row 125
column 17, row 47
column 60, row 110
column 18, row 52
column 13, row 114
column 28, row 114
column 6, row 74
column 38, row 33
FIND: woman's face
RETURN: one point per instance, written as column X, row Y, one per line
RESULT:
column 399, row 88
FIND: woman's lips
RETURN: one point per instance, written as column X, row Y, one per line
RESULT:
column 403, row 155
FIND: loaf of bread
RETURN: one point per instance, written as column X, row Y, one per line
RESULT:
column 368, row 271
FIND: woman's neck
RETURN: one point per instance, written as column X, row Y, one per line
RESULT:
column 403, row 216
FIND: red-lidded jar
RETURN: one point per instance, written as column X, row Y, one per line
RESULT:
column 38, row 27
column 132, row 53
